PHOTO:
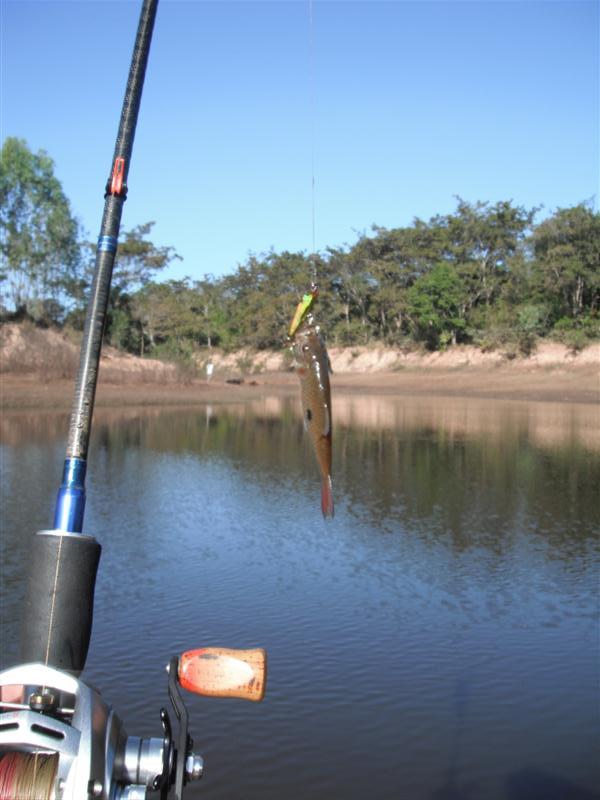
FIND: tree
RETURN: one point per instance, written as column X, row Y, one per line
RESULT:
column 138, row 259
column 481, row 240
column 435, row 306
column 39, row 234
column 394, row 260
column 210, row 307
column 353, row 285
column 170, row 315
column 567, row 260
column 147, row 310
column 136, row 262
column 261, row 296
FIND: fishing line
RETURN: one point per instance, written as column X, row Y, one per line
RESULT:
column 312, row 114
column 53, row 602
column 41, row 774
column 23, row 778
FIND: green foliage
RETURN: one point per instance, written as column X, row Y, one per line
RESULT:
column 353, row 332
column 181, row 353
column 567, row 261
column 45, row 312
column 513, row 328
column 261, row 296
column 167, row 312
column 480, row 240
column 484, row 273
column 38, row 233
column 532, row 319
column 120, row 333
column 479, row 275
column 435, row 305
column 177, row 351
column 577, row 332
column 138, row 259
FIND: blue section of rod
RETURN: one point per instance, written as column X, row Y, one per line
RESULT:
column 108, row 244
column 70, row 501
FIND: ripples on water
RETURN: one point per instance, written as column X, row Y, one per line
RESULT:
column 437, row 640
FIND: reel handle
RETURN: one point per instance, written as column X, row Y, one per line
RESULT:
column 221, row 672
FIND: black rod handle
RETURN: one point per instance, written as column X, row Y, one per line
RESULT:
column 59, row 605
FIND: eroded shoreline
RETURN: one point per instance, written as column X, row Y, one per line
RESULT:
column 567, row 384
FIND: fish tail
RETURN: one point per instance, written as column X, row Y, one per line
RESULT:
column 327, row 497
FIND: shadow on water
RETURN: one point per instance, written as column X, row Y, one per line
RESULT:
column 534, row 784
column 527, row 784
column 451, row 788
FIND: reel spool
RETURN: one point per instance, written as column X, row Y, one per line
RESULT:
column 28, row 776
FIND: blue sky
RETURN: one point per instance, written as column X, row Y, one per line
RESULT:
column 414, row 102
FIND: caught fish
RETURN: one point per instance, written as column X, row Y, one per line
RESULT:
column 313, row 368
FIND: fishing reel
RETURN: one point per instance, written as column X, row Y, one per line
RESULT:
column 59, row 740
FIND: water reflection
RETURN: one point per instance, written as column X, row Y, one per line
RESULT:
column 552, row 425
column 442, row 630
column 468, row 471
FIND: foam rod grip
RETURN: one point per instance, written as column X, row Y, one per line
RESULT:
column 59, row 601
column 219, row 672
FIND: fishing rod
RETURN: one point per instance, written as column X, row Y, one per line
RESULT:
column 59, row 740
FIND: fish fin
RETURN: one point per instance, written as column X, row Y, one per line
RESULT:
column 327, row 497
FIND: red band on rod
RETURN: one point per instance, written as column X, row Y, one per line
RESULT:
column 116, row 185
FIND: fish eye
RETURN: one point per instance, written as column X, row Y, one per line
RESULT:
column 308, row 415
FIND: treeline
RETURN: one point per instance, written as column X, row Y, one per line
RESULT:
column 485, row 274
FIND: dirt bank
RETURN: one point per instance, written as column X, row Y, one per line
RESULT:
column 37, row 369
column 366, row 360
column 552, row 385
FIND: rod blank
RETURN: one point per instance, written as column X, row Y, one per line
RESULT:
column 116, row 192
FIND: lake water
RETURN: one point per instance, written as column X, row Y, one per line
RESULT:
column 438, row 640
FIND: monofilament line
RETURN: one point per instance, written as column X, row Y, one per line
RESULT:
column 311, row 79
column 49, row 640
